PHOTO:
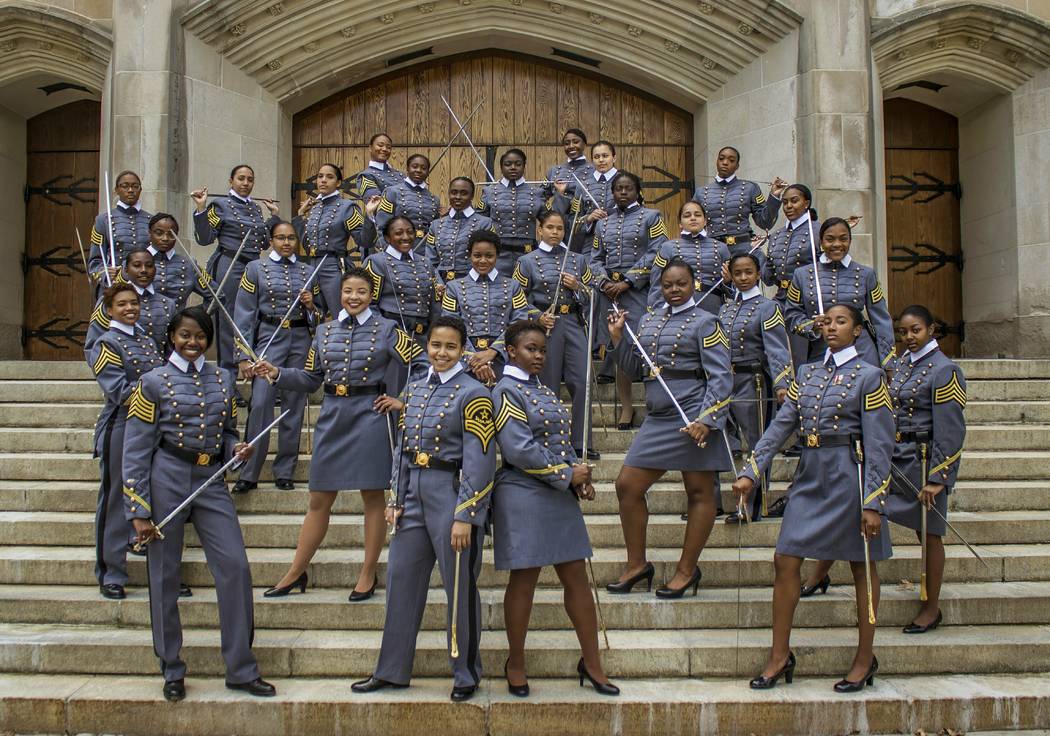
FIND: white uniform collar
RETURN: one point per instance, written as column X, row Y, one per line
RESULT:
column 168, row 254
column 475, row 275
column 581, row 157
column 142, row 291
column 394, row 252
column 378, row 166
column 841, row 357
column 328, row 196
column 684, row 305
column 727, row 180
column 361, row 318
column 126, row 329
column 137, row 207
column 845, row 261
column 608, row 174
column 277, row 259
column 421, row 185
column 184, row 365
column 468, row 212
column 632, row 205
column 751, row 293
column 446, row 376
column 246, row 200
column 507, row 182
column 923, row 351
column 547, row 247
column 701, row 234
column 515, row 372
column 800, row 220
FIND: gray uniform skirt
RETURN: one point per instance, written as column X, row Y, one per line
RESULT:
column 822, row 520
column 660, row 445
column 351, row 446
column 902, row 505
column 535, row 524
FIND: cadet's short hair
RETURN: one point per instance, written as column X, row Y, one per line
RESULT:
column 356, row 272
column 390, row 224
column 681, row 210
column 679, row 262
column 447, row 320
column 336, row 169
column 832, row 222
column 633, row 177
column 576, row 132
column 136, row 251
column 750, row 256
column 521, row 327
column 603, row 142
column 163, row 216
column 920, row 312
column 238, row 167
column 110, row 293
column 548, row 214
column 277, row 224
column 511, row 152
column 198, row 314
column 483, row 236
column 414, row 156
column 467, row 179
column 377, row 136
column 730, row 148
column 855, row 314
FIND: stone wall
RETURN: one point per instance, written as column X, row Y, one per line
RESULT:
column 12, row 224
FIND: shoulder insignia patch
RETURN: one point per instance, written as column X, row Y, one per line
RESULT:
column 140, row 407
column 477, row 419
column 518, row 301
column 355, row 220
column 96, row 237
column 385, row 205
column 776, row 320
column 213, row 217
column 100, row 317
column 509, row 410
column 588, row 275
column 718, row 337
column 233, row 408
column 406, row 347
column 448, row 302
column 951, row 391
column 203, row 284
column 659, row 261
column 246, row 283
column 575, row 205
column 657, row 230
column 377, row 281
column 760, row 199
column 431, row 239
column 879, row 398
column 794, row 294
column 597, row 242
column 877, row 294
column 519, row 276
column 106, row 356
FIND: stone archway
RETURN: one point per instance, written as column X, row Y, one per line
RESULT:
column 48, row 41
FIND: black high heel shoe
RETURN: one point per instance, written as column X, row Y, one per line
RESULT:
column 521, row 691
column 694, row 583
column 625, row 587
column 628, row 425
column 822, row 586
column 281, row 592
column 363, row 595
column 602, row 688
column 788, row 671
column 914, row 628
column 846, row 686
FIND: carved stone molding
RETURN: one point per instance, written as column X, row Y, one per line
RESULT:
column 36, row 39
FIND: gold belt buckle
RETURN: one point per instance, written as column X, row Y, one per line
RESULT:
column 899, row 437
column 203, row 458
column 449, row 275
column 654, row 371
column 616, row 275
column 419, row 328
column 528, row 248
column 812, row 440
column 422, row 459
column 419, row 233
column 340, row 390
column 731, row 240
column 482, row 342
column 564, row 309
column 785, row 283
column 286, row 323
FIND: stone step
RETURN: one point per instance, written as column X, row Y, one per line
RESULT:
column 721, row 566
column 717, row 608
column 1004, row 368
column 664, row 530
column 680, row 707
column 62, row 649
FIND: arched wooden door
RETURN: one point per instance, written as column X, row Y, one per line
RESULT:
column 527, row 102
column 922, row 215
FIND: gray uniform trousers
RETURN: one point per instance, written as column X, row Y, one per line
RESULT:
column 112, row 530
column 214, row 517
column 424, row 534
column 225, row 353
column 567, row 361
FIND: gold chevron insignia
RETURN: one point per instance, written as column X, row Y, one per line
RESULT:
column 354, row 220
column 140, row 407
column 96, row 237
column 477, row 419
column 878, row 398
column 518, row 301
column 793, row 390
column 377, row 281
column 246, row 283
column 106, row 357
column 406, row 347
column 717, row 337
column 213, row 217
column 658, row 229
column 449, row 302
column 386, row 205
column 794, row 294
column 588, row 275
column 659, row 261
column 877, row 294
column 507, row 411
column 100, row 317
column 776, row 320
column 431, row 238
column 760, row 199
column 951, row 391
column 597, row 242
column 311, row 360
column 520, row 277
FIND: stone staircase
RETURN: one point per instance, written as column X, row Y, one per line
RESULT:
column 72, row 662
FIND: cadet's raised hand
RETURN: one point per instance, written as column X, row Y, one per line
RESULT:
column 200, row 198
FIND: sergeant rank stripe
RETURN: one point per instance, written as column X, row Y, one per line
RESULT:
column 657, row 230
column 100, row 317
column 477, row 419
column 518, row 301
column 878, row 398
column 406, row 347
column 775, row 321
column 355, row 220
column 246, row 283
column 951, row 391
column 213, row 217
column 140, row 407
column 877, row 294
column 106, row 357
column 96, row 237
column 794, row 294
column 717, row 337
column 507, row 411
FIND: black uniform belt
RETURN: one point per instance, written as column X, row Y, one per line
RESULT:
column 243, row 257
column 271, row 320
column 483, row 342
column 191, row 456
column 426, row 460
column 914, row 436
column 734, row 239
column 562, row 308
column 342, row 389
column 746, row 367
column 452, row 274
column 417, row 325
column 678, row 374
column 829, row 440
column 518, row 247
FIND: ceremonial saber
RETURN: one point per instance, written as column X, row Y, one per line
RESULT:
column 109, row 219
column 229, row 269
column 867, row 549
column 759, row 398
column 463, row 128
column 258, row 199
column 454, row 651
column 561, row 271
column 585, row 190
column 816, row 266
column 83, row 256
column 216, row 475
column 295, row 302
column 923, row 596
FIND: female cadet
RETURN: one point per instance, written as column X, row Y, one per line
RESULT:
column 513, row 206
column 130, row 229
column 446, row 460
column 842, row 407
column 761, row 362
column 595, row 203
column 705, row 255
column 690, row 350
column 379, row 174
column 404, row 279
column 176, row 278
column 536, row 513
column 232, row 219
column 574, row 142
column 349, row 357
column 446, row 241
column 486, row 301
column 324, row 224
column 267, row 290
column 155, row 309
column 410, row 198
column 842, row 281
column 625, row 245
column 182, row 426
column 563, row 312
column 929, row 395
column 117, row 358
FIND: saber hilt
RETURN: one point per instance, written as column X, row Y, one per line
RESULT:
column 923, row 594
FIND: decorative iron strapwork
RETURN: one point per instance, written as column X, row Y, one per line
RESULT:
column 912, row 187
column 53, row 189
column 51, row 261
column 57, row 331
column 913, row 256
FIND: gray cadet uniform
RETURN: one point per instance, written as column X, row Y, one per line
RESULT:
column 788, row 249
column 374, row 179
column 411, row 200
column 539, row 273
column 730, row 204
column 155, row 312
column 536, row 517
column 446, row 241
column 182, row 425
column 268, row 287
column 131, row 232
column 177, row 278
column 834, row 404
column 117, row 358
column 403, row 288
column 706, row 256
column 513, row 209
column 227, row 220
column 929, row 394
column 690, row 348
column 325, row 230
column 487, row 307
column 761, row 362
column 579, row 166
column 444, row 473
column 599, row 186
column 349, row 356
column 846, row 282
column 625, row 246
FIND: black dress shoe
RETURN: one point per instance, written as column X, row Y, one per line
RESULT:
column 848, row 686
column 112, row 591
column 299, row 582
column 258, row 687
column 243, row 486
column 787, row 671
column 694, row 582
column 734, row 518
column 185, row 591
column 284, row 484
column 591, row 454
column 371, row 684
column 914, row 628
column 822, row 586
column 363, row 595
column 519, row 691
column 174, row 690
column 603, row 378
column 625, row 587
column 794, row 451
column 776, row 509
column 459, row 694
column 602, row 688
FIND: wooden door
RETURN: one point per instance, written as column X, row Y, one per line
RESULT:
column 61, row 198
column 527, row 103
column 922, row 215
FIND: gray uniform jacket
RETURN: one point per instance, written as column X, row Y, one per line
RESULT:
column 730, row 207
column 446, row 241
column 266, row 291
column 487, row 306
column 581, row 167
column 177, row 279
column 706, row 256
column 371, row 181
column 130, row 230
column 328, row 226
column 155, row 312
column 403, row 284
column 625, row 246
column 758, row 338
column 228, row 219
column 787, row 249
column 407, row 199
column 513, row 209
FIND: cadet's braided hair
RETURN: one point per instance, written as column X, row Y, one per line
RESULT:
column 521, row 327
column 920, row 312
